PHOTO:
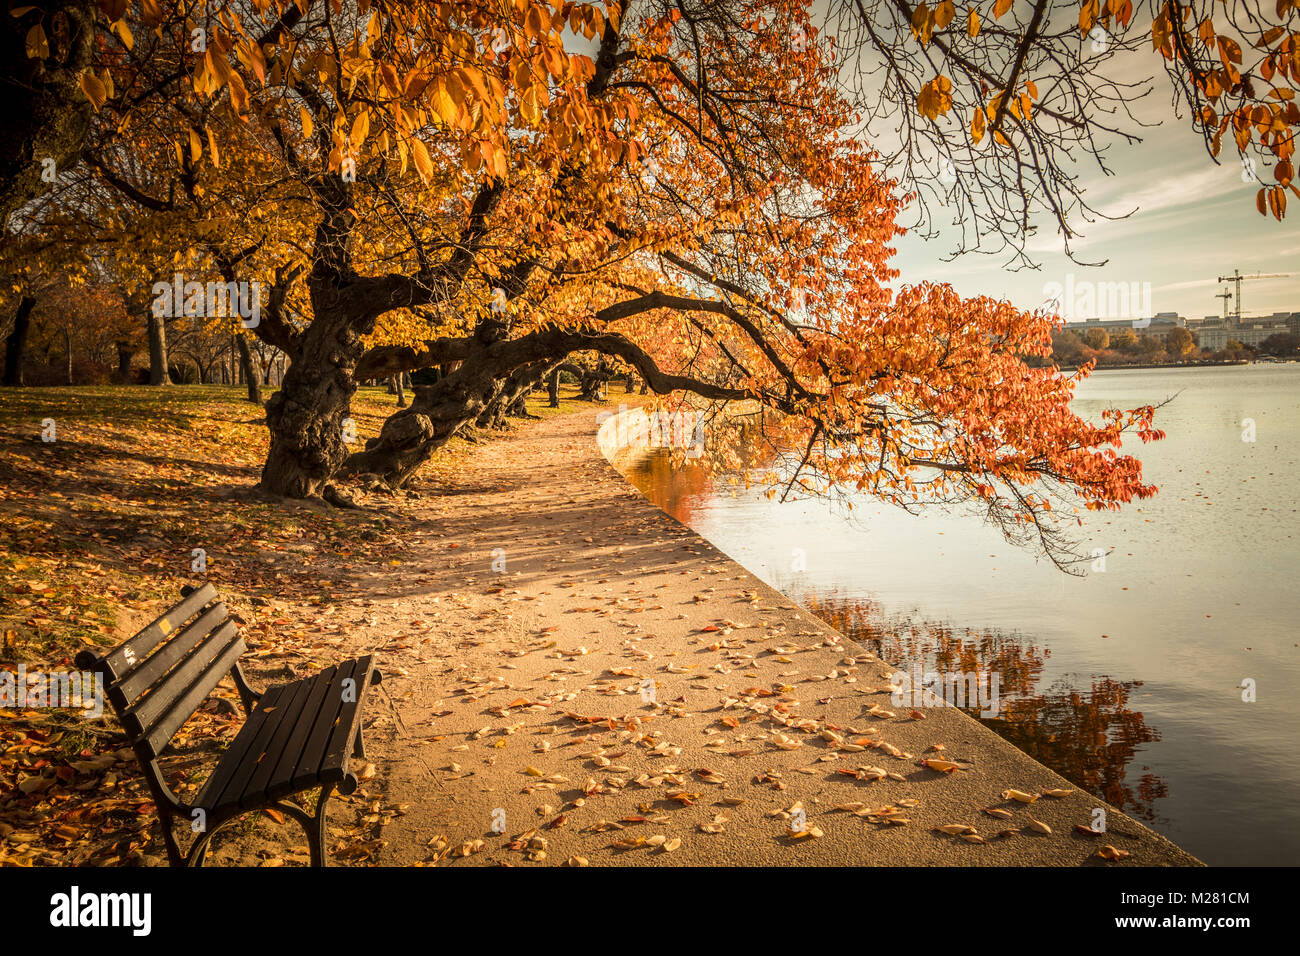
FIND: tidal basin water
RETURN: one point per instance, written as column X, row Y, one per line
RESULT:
column 1128, row 681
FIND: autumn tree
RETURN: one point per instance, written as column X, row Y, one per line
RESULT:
column 683, row 188
column 765, row 282
column 1097, row 339
column 1124, row 339
column 1179, row 342
column 1016, row 95
column 369, row 145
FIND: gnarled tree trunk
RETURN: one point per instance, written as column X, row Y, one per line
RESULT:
column 306, row 415
column 410, row 437
column 589, row 380
column 512, row 399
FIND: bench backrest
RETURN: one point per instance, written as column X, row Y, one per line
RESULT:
column 157, row 680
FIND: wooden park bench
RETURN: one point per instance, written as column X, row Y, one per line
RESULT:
column 296, row 736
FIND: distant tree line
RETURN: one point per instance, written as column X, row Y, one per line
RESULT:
column 1179, row 345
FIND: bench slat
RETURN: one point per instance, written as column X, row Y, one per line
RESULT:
column 159, row 734
column 141, row 716
column 127, row 691
column 124, row 658
column 258, row 742
column 281, row 782
column 308, row 769
column 210, row 794
column 293, row 712
column 339, row 747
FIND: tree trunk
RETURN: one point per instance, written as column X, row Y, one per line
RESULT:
column 306, row 415
column 158, row 369
column 124, row 355
column 494, row 416
column 67, row 345
column 249, row 370
column 514, row 396
column 410, row 437
column 401, row 392
column 16, row 343
column 553, row 387
column 631, row 383
column 590, row 383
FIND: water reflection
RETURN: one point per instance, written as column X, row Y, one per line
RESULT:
column 1089, row 734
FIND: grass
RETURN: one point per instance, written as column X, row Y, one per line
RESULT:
column 103, row 522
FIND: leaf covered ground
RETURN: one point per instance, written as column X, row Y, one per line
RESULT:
column 98, row 532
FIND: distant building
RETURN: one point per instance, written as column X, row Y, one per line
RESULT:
column 1158, row 325
column 1214, row 332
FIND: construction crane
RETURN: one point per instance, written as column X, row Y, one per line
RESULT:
column 1238, row 278
column 1225, row 295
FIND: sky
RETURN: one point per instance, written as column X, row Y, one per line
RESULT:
column 1195, row 221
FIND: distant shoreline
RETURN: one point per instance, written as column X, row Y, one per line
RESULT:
column 1209, row 364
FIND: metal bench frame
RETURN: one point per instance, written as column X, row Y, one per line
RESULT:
column 181, row 657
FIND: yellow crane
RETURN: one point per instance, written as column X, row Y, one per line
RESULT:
column 1238, row 278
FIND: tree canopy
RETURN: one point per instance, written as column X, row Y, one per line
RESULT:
column 704, row 192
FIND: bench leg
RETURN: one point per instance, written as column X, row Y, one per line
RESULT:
column 174, row 856
column 313, row 824
column 359, row 751
column 199, row 851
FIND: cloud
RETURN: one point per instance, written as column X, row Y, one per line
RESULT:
column 1196, row 186
column 1192, row 284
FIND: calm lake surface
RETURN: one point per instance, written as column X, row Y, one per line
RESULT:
column 1128, row 681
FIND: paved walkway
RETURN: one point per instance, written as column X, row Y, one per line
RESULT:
column 515, row 699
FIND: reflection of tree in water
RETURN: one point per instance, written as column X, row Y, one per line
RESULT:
column 677, row 489
column 679, row 485
column 1090, row 738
